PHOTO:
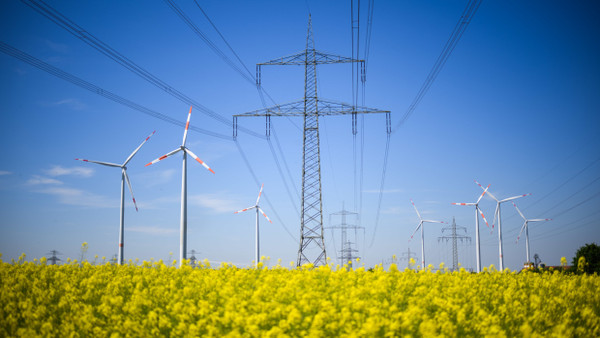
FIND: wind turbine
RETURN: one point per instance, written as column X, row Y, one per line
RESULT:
column 526, row 227
column 124, row 178
column 477, row 209
column 422, row 237
column 497, row 214
column 257, row 241
column 185, row 151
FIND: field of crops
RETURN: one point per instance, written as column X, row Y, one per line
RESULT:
column 154, row 299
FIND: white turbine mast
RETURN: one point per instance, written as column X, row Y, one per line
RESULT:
column 421, row 221
column 526, row 228
column 497, row 214
column 257, row 237
column 124, row 177
column 477, row 209
column 185, row 151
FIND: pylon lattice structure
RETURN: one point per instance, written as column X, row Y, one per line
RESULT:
column 454, row 237
column 53, row 259
column 312, row 244
column 407, row 255
column 347, row 253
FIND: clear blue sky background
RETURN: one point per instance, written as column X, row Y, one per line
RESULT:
column 516, row 106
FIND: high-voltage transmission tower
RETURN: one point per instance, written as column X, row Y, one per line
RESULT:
column 346, row 251
column 406, row 256
column 193, row 258
column 312, row 244
column 454, row 237
column 53, row 259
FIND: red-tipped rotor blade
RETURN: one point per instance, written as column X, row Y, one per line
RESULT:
column 267, row 217
column 413, row 203
column 108, row 164
column 187, row 126
column 130, row 190
column 259, row 193
column 248, row 208
column 482, row 216
column 137, row 149
column 480, row 197
column 197, row 159
column 164, row 156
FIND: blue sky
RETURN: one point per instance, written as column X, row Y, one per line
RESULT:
column 515, row 106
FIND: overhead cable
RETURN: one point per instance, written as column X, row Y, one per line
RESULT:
column 9, row 50
column 457, row 33
column 79, row 32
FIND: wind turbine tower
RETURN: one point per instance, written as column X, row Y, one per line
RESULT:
column 183, row 220
column 256, row 229
column 526, row 228
column 498, row 214
column 477, row 209
column 312, row 244
column 124, row 178
column 421, row 221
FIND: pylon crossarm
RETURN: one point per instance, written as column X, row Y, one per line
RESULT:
column 325, row 108
column 299, row 59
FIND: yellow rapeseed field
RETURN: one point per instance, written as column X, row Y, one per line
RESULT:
column 154, row 299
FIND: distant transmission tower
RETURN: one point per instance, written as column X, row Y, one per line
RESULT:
column 53, row 259
column 346, row 251
column 193, row 258
column 406, row 256
column 454, row 237
column 312, row 244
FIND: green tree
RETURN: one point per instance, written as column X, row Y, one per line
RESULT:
column 591, row 252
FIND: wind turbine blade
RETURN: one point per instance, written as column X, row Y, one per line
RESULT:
column 248, row 208
column 164, row 156
column 413, row 203
column 430, row 221
column 108, row 164
column 130, row 190
column 259, row 193
column 417, row 228
column 540, row 219
column 187, row 125
column 137, row 149
column 267, row 217
column 522, row 228
column 462, row 203
column 489, row 193
column 482, row 216
column 519, row 211
column 480, row 197
column 197, row 159
column 514, row 198
column 495, row 214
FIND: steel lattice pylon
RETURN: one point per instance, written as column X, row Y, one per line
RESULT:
column 312, row 244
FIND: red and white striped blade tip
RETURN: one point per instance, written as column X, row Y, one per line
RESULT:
column 187, row 126
column 267, row 217
column 198, row 159
column 164, row 156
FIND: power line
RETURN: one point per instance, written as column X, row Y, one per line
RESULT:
column 264, row 194
column 80, row 33
column 383, row 172
column 564, row 183
column 9, row 50
column 562, row 201
column 457, row 33
column 247, row 75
